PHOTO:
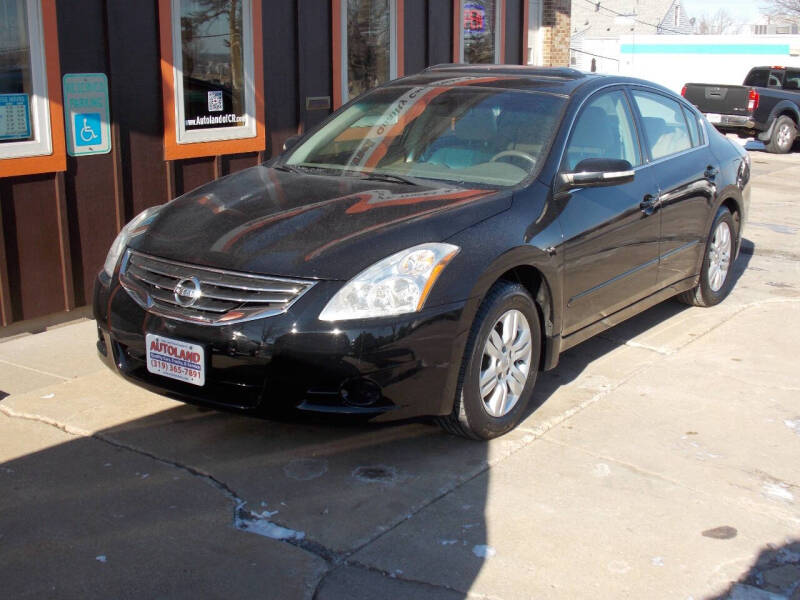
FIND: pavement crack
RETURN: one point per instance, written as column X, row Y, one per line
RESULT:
column 243, row 518
column 35, row 370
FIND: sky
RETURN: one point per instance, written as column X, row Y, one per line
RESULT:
column 745, row 10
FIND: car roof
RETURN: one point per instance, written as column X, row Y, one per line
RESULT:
column 554, row 80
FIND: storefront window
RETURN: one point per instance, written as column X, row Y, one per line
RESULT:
column 24, row 107
column 480, row 42
column 213, row 62
column 369, row 45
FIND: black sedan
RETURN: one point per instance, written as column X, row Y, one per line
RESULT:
column 428, row 249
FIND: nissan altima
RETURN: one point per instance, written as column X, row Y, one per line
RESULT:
column 428, row 249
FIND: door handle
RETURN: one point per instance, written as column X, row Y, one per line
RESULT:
column 711, row 173
column 650, row 204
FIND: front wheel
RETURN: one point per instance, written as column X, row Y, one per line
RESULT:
column 715, row 276
column 500, row 365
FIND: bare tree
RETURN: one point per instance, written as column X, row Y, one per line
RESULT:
column 784, row 10
column 719, row 22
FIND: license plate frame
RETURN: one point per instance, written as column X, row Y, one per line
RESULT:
column 176, row 359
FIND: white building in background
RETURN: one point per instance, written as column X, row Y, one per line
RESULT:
column 598, row 27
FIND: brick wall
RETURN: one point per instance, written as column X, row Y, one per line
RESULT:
column 556, row 27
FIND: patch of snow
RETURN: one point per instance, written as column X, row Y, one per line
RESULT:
column 601, row 470
column 101, row 558
column 779, row 491
column 448, row 542
column 483, row 551
column 258, row 524
column 47, row 396
column 657, row 561
column 793, row 425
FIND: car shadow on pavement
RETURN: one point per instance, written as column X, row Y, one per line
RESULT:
column 191, row 502
column 774, row 574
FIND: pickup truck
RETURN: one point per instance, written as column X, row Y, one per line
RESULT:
column 765, row 107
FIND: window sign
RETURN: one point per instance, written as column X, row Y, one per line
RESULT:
column 479, row 31
column 213, row 62
column 369, row 45
column 24, row 107
column 86, row 113
column 15, row 117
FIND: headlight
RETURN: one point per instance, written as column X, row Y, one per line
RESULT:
column 137, row 226
column 395, row 285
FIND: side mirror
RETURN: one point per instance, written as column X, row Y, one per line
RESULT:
column 290, row 143
column 596, row 172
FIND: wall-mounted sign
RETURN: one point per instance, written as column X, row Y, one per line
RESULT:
column 15, row 117
column 86, row 113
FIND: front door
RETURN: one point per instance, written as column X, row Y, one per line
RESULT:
column 611, row 234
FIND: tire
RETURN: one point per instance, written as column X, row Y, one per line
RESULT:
column 715, row 284
column 472, row 415
column 783, row 135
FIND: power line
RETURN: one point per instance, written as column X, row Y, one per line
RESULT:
column 593, row 54
column 599, row 6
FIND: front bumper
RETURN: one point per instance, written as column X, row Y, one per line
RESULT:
column 390, row 368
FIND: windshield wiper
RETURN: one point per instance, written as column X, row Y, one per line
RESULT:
column 286, row 168
column 389, row 177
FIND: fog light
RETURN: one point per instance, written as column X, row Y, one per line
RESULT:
column 360, row 392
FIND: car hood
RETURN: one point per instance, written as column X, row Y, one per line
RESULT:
column 264, row 220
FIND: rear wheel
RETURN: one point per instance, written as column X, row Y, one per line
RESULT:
column 715, row 276
column 500, row 365
column 783, row 135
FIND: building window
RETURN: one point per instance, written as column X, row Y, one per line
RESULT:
column 479, row 36
column 370, row 46
column 28, row 46
column 532, row 32
column 213, row 103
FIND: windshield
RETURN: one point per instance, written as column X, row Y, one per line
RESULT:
column 459, row 134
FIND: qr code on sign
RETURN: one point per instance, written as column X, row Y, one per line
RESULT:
column 215, row 101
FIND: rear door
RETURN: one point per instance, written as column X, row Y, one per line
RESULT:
column 611, row 235
column 684, row 171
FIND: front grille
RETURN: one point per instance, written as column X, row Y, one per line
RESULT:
column 221, row 297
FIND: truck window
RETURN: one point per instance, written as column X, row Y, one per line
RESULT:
column 757, row 78
column 792, row 80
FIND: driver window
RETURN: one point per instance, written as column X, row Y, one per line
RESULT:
column 604, row 129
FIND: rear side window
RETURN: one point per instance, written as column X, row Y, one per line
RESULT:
column 694, row 130
column 665, row 127
column 604, row 129
column 792, row 80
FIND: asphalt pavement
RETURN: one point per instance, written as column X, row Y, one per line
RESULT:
column 662, row 460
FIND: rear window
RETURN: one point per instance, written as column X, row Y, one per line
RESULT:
column 764, row 77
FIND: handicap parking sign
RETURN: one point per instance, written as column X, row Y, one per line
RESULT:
column 87, row 129
column 86, row 113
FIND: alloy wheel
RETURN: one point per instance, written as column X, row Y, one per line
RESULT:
column 719, row 256
column 506, row 363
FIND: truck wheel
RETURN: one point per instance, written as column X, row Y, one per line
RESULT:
column 783, row 134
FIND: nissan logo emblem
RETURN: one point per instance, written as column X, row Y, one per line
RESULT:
column 187, row 292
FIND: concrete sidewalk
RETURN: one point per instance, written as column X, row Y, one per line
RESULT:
column 660, row 462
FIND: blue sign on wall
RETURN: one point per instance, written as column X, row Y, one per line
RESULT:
column 15, row 117
column 86, row 112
